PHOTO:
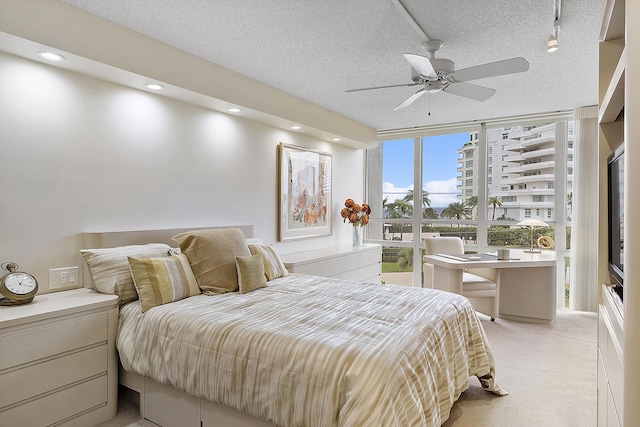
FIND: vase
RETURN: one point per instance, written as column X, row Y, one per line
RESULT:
column 357, row 236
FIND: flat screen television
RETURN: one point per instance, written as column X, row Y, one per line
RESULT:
column 615, row 175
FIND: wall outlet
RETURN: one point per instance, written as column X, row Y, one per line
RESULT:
column 66, row 277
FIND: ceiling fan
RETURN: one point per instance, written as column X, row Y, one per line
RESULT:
column 439, row 74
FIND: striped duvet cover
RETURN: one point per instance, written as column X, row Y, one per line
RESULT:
column 312, row 351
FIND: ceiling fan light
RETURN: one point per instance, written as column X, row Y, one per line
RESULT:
column 433, row 86
column 552, row 44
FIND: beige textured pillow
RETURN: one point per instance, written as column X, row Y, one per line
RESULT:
column 251, row 273
column 110, row 271
column 273, row 265
column 211, row 254
column 162, row 280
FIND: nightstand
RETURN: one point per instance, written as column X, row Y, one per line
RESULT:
column 58, row 362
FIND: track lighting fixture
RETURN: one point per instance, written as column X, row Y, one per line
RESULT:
column 552, row 43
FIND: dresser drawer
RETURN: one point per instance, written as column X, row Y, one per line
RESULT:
column 343, row 264
column 347, row 275
column 46, row 340
column 369, row 258
column 370, row 273
column 315, row 269
column 58, row 406
column 32, row 380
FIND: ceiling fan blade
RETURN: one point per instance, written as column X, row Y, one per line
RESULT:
column 410, row 99
column 421, row 64
column 492, row 69
column 467, row 90
column 381, row 87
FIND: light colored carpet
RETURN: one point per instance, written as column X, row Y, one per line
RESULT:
column 549, row 372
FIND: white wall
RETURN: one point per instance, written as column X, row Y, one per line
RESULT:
column 79, row 154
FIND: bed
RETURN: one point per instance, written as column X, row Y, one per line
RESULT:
column 300, row 351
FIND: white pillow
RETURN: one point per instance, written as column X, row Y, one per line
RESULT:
column 273, row 265
column 109, row 267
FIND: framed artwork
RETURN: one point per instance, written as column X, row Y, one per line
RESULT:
column 305, row 192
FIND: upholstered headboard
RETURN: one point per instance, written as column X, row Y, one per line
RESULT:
column 110, row 239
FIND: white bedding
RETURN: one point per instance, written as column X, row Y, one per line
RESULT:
column 311, row 351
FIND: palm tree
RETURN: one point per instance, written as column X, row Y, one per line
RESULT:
column 385, row 206
column 401, row 209
column 472, row 202
column 425, row 197
column 494, row 201
column 430, row 213
column 455, row 210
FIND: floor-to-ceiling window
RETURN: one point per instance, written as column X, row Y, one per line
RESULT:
column 395, row 222
column 476, row 183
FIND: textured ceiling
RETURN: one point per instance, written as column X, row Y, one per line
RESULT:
column 316, row 50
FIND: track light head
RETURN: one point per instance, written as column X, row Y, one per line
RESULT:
column 552, row 43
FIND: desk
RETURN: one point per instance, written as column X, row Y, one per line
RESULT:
column 526, row 283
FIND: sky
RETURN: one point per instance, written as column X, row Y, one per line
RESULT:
column 439, row 162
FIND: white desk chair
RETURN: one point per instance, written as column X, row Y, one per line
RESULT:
column 478, row 285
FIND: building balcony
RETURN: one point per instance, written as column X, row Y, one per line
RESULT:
column 514, row 146
column 551, row 127
column 530, row 167
column 539, row 140
column 542, row 179
column 513, row 157
column 524, row 194
column 527, row 205
column 549, row 151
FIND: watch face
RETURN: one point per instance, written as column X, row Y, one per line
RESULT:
column 20, row 283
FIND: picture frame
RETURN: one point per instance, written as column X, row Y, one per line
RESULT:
column 304, row 187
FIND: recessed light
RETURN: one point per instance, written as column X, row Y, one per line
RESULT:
column 51, row 56
column 295, row 127
column 336, row 139
column 154, row 86
column 234, row 110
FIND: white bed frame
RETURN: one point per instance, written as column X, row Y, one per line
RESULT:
column 160, row 403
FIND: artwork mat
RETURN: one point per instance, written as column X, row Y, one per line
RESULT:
column 300, row 169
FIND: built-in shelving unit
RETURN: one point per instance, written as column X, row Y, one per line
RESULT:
column 613, row 101
column 611, row 112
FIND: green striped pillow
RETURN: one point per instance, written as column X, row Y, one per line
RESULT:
column 273, row 266
column 162, row 280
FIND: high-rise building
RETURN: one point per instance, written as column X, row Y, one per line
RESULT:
column 521, row 167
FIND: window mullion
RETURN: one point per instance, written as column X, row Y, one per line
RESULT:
column 417, row 212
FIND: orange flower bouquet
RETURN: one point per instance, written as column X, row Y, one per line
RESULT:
column 357, row 215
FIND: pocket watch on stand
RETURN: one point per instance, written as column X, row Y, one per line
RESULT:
column 545, row 242
column 17, row 287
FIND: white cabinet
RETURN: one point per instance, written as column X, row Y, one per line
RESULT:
column 610, row 360
column 58, row 360
column 613, row 72
column 359, row 263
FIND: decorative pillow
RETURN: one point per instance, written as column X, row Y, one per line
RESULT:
column 273, row 265
column 211, row 254
column 162, row 280
column 109, row 267
column 251, row 273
